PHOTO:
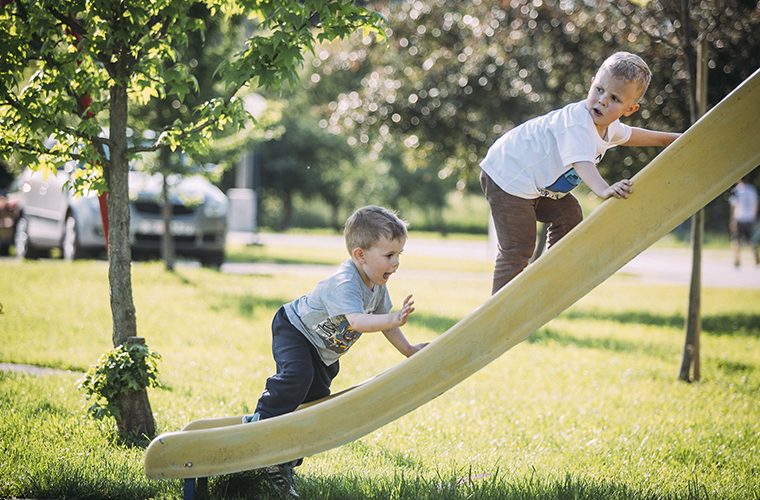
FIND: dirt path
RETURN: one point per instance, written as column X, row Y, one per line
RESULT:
column 34, row 370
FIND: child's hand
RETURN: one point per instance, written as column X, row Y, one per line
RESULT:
column 406, row 310
column 621, row 189
column 417, row 348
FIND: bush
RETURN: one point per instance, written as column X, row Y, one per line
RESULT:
column 122, row 370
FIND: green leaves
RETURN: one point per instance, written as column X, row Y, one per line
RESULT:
column 61, row 58
column 119, row 371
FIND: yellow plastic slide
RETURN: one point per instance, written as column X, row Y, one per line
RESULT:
column 714, row 153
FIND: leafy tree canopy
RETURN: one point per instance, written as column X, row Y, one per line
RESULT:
column 62, row 57
column 456, row 75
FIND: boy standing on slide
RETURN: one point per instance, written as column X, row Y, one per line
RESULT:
column 528, row 173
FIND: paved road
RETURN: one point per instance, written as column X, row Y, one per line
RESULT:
column 655, row 265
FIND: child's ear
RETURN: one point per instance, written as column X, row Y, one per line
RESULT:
column 358, row 254
column 631, row 110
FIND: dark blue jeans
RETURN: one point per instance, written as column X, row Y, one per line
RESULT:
column 301, row 375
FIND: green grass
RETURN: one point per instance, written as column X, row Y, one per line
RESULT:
column 329, row 256
column 588, row 407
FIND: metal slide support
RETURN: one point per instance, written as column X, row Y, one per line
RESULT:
column 188, row 489
column 193, row 486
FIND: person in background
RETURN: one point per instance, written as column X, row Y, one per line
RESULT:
column 743, row 201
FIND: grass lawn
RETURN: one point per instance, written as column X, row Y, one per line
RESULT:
column 588, row 407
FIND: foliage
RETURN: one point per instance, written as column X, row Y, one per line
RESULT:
column 456, row 75
column 305, row 160
column 420, row 109
column 57, row 55
column 119, row 371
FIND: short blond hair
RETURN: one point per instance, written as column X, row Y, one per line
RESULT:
column 368, row 224
column 629, row 67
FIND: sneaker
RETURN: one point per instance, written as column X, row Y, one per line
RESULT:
column 247, row 419
column 281, row 478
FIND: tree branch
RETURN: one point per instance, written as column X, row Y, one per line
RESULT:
column 29, row 148
column 158, row 143
column 14, row 103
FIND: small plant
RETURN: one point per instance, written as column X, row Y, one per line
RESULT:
column 122, row 370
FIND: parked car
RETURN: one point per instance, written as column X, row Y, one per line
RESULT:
column 51, row 217
column 9, row 212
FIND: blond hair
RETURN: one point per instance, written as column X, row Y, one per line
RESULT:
column 629, row 67
column 368, row 224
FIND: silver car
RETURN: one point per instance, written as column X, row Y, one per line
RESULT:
column 51, row 217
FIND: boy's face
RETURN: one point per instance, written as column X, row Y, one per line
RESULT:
column 611, row 97
column 378, row 262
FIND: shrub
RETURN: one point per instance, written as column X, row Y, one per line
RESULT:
column 122, row 370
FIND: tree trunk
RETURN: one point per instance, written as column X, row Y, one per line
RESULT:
column 119, row 254
column 540, row 242
column 693, row 318
column 287, row 211
column 697, row 108
column 335, row 221
column 167, row 241
column 135, row 418
column 136, row 414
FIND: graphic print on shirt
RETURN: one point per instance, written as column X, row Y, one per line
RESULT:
column 337, row 333
column 563, row 185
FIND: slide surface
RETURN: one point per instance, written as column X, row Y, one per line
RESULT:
column 713, row 154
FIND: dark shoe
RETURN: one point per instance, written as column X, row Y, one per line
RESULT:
column 281, row 478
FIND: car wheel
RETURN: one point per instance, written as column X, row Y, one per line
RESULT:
column 70, row 247
column 213, row 260
column 24, row 248
column 5, row 248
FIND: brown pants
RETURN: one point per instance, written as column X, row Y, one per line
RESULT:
column 515, row 221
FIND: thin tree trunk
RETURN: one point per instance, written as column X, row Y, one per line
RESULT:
column 136, row 417
column 334, row 216
column 287, row 211
column 120, row 255
column 167, row 241
column 693, row 319
column 540, row 242
column 697, row 108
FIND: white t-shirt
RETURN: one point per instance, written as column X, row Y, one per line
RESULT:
column 743, row 199
column 533, row 159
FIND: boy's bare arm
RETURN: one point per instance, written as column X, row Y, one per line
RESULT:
column 381, row 322
column 396, row 337
column 593, row 179
column 646, row 137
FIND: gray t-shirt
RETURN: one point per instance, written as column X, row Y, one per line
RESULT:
column 321, row 314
